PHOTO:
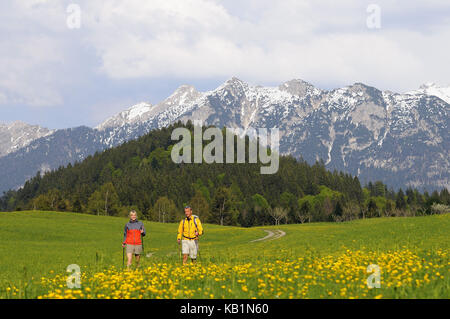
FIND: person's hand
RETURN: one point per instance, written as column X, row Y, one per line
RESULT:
column 142, row 231
column 178, row 240
column 123, row 245
column 196, row 233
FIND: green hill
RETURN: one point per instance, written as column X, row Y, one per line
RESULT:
column 141, row 175
column 42, row 244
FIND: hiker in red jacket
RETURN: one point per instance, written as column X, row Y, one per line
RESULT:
column 132, row 238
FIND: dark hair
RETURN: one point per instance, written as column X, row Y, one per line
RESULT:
column 187, row 207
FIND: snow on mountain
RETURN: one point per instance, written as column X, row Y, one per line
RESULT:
column 16, row 135
column 131, row 115
column 187, row 100
column 176, row 104
column 180, row 102
column 46, row 153
column 300, row 88
column 433, row 89
column 401, row 139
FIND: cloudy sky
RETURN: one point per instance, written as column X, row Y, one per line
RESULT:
column 58, row 75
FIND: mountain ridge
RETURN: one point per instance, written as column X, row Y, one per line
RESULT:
column 18, row 134
column 401, row 139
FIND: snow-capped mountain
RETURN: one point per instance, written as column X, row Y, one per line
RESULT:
column 16, row 135
column 401, row 139
column 132, row 115
column 433, row 89
column 47, row 153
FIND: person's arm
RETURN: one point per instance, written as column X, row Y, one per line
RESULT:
column 124, row 234
column 180, row 230
column 143, row 228
column 200, row 227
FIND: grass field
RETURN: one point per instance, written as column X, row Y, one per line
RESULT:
column 320, row 260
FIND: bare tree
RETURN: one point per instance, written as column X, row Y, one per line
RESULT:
column 350, row 211
column 222, row 212
column 437, row 208
column 222, row 204
column 278, row 213
column 301, row 217
column 161, row 210
column 304, row 212
column 164, row 210
column 106, row 201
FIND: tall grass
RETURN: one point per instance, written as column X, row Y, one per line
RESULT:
column 36, row 248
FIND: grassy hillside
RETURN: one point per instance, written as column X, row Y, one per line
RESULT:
column 141, row 175
column 311, row 260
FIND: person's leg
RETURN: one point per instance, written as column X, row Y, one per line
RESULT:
column 185, row 250
column 137, row 257
column 193, row 251
column 129, row 259
column 137, row 254
column 129, row 252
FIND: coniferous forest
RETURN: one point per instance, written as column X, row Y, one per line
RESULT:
column 141, row 175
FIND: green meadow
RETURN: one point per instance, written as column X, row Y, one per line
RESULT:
column 317, row 260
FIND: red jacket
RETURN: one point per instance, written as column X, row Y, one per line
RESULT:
column 132, row 233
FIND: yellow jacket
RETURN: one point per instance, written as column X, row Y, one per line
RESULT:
column 187, row 228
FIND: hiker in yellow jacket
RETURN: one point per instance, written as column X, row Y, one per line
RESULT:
column 188, row 232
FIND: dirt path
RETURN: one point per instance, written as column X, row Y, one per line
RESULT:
column 271, row 235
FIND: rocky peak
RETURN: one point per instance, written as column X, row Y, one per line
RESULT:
column 19, row 134
column 131, row 115
column 298, row 87
column 184, row 94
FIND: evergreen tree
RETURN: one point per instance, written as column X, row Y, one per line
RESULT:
column 140, row 172
column 400, row 201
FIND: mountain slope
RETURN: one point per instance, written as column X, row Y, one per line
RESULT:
column 132, row 115
column 401, row 139
column 46, row 153
column 18, row 134
column 433, row 89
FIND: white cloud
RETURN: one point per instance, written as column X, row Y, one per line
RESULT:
column 201, row 39
column 27, row 75
column 30, row 54
column 261, row 41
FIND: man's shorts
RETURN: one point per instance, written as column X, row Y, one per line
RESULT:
column 189, row 247
column 134, row 249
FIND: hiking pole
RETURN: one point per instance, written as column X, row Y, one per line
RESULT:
column 123, row 256
column 198, row 250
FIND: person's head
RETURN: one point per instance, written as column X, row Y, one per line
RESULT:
column 133, row 215
column 188, row 211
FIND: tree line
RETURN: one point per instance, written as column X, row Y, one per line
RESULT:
column 141, row 175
